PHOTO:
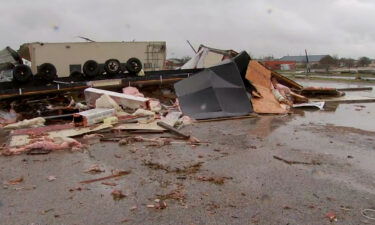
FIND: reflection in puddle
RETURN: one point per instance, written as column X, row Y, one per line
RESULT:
column 349, row 115
column 265, row 125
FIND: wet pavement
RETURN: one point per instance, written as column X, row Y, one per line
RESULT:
column 236, row 178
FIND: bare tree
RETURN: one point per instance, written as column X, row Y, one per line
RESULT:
column 328, row 61
column 364, row 61
column 347, row 62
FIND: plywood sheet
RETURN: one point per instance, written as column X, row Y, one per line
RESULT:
column 260, row 78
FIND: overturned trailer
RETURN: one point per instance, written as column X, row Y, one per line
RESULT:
column 71, row 56
column 86, row 60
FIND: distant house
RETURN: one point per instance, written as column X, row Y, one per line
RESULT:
column 313, row 59
column 280, row 65
column 173, row 63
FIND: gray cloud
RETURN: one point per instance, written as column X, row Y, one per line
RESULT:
column 272, row 27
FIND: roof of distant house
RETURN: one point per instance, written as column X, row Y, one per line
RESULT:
column 302, row 58
column 175, row 60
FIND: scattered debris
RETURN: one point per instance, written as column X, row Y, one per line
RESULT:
column 331, row 216
column 109, row 184
column 364, row 211
column 189, row 169
column 291, row 162
column 319, row 105
column 132, row 91
column 214, row 180
column 173, row 130
column 115, row 174
column 15, row 181
column 154, row 105
column 42, row 130
column 51, row 178
column 46, row 143
column 155, row 141
column 106, row 102
column 133, row 208
column 139, row 126
column 36, row 122
column 124, row 100
column 161, row 205
column 177, row 195
column 125, row 220
column 321, row 91
column 117, row 195
column 92, row 116
column 78, row 189
column 38, row 151
column 94, row 169
column 156, row 166
column 8, row 117
column 172, row 118
column 93, row 136
column 47, row 210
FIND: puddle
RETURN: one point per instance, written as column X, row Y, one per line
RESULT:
column 357, row 115
column 336, row 84
column 348, row 115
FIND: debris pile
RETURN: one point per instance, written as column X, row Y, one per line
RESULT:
column 107, row 113
column 149, row 120
column 234, row 86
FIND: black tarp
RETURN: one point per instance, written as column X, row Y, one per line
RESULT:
column 215, row 92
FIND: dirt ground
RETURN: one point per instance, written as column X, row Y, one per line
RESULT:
column 269, row 170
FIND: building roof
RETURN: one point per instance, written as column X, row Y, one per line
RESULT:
column 302, row 58
column 174, row 60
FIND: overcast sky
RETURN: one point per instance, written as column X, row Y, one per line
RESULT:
column 261, row 27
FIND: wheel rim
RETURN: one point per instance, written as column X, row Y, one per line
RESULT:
column 135, row 65
column 21, row 74
column 92, row 66
column 113, row 66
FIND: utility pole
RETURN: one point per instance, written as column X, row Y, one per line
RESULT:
column 307, row 64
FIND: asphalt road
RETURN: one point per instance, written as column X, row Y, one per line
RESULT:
column 269, row 170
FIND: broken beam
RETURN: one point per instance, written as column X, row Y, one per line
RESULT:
column 355, row 89
column 173, row 130
column 121, row 173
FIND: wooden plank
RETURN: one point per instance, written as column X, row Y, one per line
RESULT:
column 260, row 77
column 355, row 89
column 119, row 174
column 286, row 81
column 173, row 130
column 39, row 92
column 228, row 118
column 139, row 126
column 345, row 99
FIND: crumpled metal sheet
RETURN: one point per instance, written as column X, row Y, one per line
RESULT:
column 214, row 92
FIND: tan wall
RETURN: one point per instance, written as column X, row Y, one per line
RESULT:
column 64, row 54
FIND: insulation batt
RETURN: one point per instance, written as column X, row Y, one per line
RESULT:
column 48, row 144
column 132, row 91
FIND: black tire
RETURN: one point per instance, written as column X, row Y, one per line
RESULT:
column 91, row 68
column 112, row 66
column 134, row 65
column 77, row 76
column 47, row 72
column 22, row 74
